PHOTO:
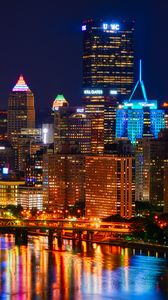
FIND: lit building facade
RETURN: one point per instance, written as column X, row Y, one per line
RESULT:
column 34, row 169
column 165, row 190
column 79, row 129
column 3, row 125
column 108, row 63
column 29, row 141
column 72, row 128
column 165, row 107
column 110, row 186
column 102, row 114
column 142, row 167
column 18, row 193
column 9, row 192
column 151, row 170
column 47, row 133
column 31, row 197
column 64, row 179
column 135, row 121
column 138, row 118
column 104, row 184
column 94, row 107
column 60, row 110
column 21, row 113
column 108, row 57
column 6, row 159
column 156, row 161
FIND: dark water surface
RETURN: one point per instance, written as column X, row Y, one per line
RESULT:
column 79, row 271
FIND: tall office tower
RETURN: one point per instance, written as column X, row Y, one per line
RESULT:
column 109, row 185
column 139, row 118
column 60, row 108
column 21, row 112
column 108, row 57
column 71, row 128
column 108, row 61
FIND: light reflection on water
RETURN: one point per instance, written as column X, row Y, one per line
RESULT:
column 78, row 271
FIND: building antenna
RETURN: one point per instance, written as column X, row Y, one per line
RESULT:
column 141, row 83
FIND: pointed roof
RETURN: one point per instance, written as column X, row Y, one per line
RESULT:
column 60, row 97
column 59, row 101
column 141, row 83
column 21, row 85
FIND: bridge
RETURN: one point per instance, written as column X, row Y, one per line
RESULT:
column 62, row 228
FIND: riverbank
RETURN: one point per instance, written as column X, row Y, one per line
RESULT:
column 134, row 245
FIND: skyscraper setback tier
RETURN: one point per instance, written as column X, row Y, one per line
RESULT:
column 108, row 58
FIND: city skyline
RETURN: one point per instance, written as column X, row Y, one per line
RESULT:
column 44, row 43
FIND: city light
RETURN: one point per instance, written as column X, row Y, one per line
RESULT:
column 21, row 85
column 93, row 92
column 83, row 27
column 112, row 26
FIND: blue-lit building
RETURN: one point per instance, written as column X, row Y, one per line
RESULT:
column 136, row 119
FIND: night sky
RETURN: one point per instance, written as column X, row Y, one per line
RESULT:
column 43, row 41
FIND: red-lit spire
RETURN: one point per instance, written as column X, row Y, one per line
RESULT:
column 21, row 85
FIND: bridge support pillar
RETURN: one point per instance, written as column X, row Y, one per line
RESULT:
column 50, row 239
column 80, row 236
column 59, row 237
column 89, row 236
column 21, row 237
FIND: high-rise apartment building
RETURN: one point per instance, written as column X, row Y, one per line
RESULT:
column 110, row 186
column 64, row 180
column 108, row 62
column 104, row 184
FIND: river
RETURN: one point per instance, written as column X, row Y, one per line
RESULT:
column 80, row 271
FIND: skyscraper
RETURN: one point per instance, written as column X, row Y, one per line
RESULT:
column 108, row 61
column 108, row 58
column 21, row 113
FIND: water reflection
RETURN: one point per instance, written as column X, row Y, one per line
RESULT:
column 76, row 270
